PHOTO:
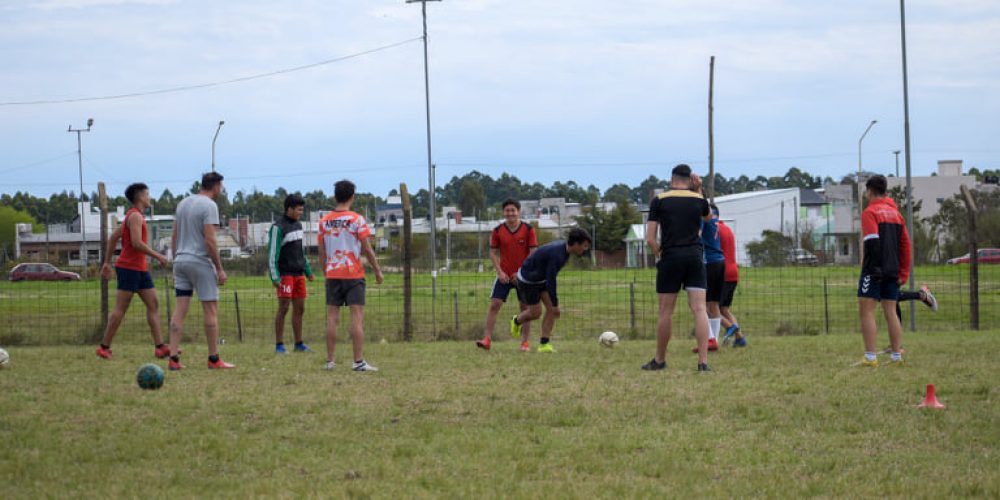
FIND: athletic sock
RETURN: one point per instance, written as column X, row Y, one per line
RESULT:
column 276, row 344
column 105, row 347
column 896, row 356
column 214, row 358
column 870, row 356
column 713, row 327
column 297, row 344
column 516, row 321
column 175, row 358
column 158, row 346
column 545, row 340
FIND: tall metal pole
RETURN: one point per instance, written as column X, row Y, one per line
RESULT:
column 430, row 168
column 906, row 139
column 221, row 123
column 861, row 198
column 83, row 214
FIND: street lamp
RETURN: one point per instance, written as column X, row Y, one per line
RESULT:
column 430, row 173
column 896, row 152
column 83, row 218
column 861, row 201
column 221, row 123
column 906, row 135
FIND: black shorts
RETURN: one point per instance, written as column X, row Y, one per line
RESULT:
column 674, row 272
column 716, row 277
column 878, row 289
column 728, row 291
column 130, row 280
column 502, row 290
column 345, row 292
column 530, row 293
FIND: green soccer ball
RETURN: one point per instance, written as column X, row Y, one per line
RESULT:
column 149, row 376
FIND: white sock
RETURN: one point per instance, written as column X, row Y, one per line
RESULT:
column 870, row 356
column 713, row 327
column 896, row 356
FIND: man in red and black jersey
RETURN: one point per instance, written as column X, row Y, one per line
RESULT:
column 885, row 266
column 515, row 240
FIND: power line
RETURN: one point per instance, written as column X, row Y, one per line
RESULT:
column 212, row 84
column 40, row 162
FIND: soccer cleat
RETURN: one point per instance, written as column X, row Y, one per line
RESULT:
column 928, row 298
column 888, row 350
column 897, row 362
column 872, row 364
column 703, row 367
column 174, row 366
column 515, row 329
column 103, row 353
column 525, row 346
column 302, row 348
column 729, row 333
column 713, row 345
column 329, row 365
column 162, row 352
column 740, row 342
column 484, row 344
column 280, row 349
column 546, row 348
column 219, row 365
column 653, row 365
column 363, row 366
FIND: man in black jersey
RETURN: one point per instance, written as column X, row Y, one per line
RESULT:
column 675, row 216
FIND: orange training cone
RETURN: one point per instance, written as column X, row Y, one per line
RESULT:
column 930, row 400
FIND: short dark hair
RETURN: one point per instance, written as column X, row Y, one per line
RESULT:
column 877, row 184
column 343, row 191
column 715, row 209
column 209, row 180
column 681, row 170
column 577, row 235
column 293, row 200
column 133, row 190
column 510, row 201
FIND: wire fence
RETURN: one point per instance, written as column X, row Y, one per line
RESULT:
column 769, row 301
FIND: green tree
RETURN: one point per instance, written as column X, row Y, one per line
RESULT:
column 771, row 250
column 471, row 198
column 9, row 218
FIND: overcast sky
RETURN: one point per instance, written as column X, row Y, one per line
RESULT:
column 593, row 91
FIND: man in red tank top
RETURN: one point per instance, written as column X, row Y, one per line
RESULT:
column 133, row 271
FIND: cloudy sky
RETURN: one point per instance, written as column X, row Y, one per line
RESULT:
column 593, row 91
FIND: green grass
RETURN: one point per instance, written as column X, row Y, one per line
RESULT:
column 767, row 300
column 786, row 417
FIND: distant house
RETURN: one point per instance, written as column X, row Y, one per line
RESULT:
column 793, row 212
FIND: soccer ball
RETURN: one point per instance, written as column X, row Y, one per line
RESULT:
column 149, row 376
column 608, row 339
column 4, row 358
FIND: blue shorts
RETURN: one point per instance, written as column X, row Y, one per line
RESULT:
column 872, row 288
column 502, row 290
column 130, row 280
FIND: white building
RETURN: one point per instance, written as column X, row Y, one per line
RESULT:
column 793, row 212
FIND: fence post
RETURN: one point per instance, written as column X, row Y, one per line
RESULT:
column 407, row 265
column 970, row 206
column 103, row 203
column 239, row 322
column 826, row 306
column 456, row 311
column 166, row 297
column 631, row 306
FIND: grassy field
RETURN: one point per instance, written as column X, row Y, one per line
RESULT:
column 791, row 300
column 786, row 417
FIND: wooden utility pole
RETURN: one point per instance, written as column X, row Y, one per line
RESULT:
column 103, row 201
column 970, row 206
column 407, row 264
column 710, row 185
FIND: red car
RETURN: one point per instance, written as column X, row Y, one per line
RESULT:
column 40, row 272
column 986, row 256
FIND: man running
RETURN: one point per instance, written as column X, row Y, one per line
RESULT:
column 676, row 216
column 515, row 240
column 886, row 266
column 132, row 271
column 288, row 269
column 198, row 268
column 536, row 282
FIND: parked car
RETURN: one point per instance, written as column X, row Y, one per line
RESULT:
column 986, row 256
column 40, row 272
column 803, row 257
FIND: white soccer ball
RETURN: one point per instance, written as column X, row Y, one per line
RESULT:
column 4, row 358
column 608, row 339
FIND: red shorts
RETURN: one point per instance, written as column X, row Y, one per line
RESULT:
column 292, row 287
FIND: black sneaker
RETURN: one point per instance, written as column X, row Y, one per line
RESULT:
column 653, row 365
column 703, row 367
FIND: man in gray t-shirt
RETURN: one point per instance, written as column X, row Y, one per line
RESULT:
column 197, row 267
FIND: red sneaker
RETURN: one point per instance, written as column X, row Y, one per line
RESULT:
column 525, row 347
column 713, row 345
column 174, row 366
column 484, row 344
column 162, row 352
column 104, row 353
column 219, row 365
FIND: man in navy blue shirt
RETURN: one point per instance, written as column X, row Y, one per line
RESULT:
column 536, row 280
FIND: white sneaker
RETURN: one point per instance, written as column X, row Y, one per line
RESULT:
column 329, row 365
column 363, row 366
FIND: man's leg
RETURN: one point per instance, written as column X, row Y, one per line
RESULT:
column 551, row 315
column 358, row 332
column 491, row 317
column 332, row 318
column 895, row 327
column 279, row 320
column 866, row 312
column 529, row 313
column 210, row 308
column 148, row 296
column 525, row 328
column 664, row 324
column 177, row 324
column 714, row 320
column 696, row 302
column 298, row 311
column 122, row 300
